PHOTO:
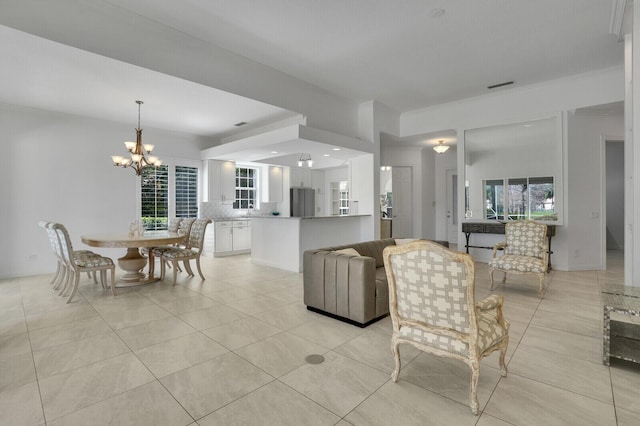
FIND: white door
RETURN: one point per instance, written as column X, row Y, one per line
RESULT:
column 452, row 206
column 402, row 224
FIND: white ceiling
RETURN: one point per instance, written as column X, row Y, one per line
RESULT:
column 394, row 52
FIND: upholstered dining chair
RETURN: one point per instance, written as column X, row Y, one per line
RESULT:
column 193, row 250
column 61, row 270
column 75, row 265
column 172, row 226
column 432, row 307
column 525, row 252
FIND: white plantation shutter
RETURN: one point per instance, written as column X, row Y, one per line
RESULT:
column 186, row 191
column 154, row 194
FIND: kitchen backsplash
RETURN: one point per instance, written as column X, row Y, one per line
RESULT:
column 216, row 209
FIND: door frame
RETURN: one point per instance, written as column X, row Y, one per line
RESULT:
column 451, row 196
column 603, row 198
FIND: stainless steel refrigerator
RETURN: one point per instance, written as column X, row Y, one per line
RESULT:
column 303, row 202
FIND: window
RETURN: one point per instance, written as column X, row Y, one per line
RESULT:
column 246, row 188
column 186, row 191
column 494, row 199
column 525, row 198
column 168, row 191
column 518, row 200
column 155, row 197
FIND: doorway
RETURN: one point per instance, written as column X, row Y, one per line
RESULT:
column 402, row 184
column 613, row 220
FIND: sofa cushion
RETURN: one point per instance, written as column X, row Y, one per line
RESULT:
column 349, row 250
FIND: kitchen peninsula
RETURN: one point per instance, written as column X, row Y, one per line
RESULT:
column 281, row 241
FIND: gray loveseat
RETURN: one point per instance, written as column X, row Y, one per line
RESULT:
column 348, row 287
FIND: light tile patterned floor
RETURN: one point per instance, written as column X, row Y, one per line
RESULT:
column 231, row 350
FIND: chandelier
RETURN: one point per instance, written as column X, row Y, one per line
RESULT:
column 440, row 148
column 304, row 159
column 141, row 157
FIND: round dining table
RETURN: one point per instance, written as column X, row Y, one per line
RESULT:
column 133, row 262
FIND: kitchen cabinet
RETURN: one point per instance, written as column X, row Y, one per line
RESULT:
column 300, row 177
column 241, row 235
column 232, row 237
column 275, row 184
column 318, row 184
column 223, row 237
column 221, row 181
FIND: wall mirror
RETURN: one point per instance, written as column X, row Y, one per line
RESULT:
column 514, row 171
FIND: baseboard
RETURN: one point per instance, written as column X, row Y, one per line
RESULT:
column 347, row 320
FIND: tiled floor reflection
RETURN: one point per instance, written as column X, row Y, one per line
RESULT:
column 231, row 350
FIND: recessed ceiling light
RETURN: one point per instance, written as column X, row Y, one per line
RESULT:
column 527, row 125
column 336, row 149
column 326, row 155
column 274, row 152
column 436, row 13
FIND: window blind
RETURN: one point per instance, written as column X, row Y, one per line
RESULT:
column 155, row 197
column 186, row 191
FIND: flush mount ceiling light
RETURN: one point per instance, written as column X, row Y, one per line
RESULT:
column 440, row 148
column 305, row 158
column 139, row 152
column 385, row 168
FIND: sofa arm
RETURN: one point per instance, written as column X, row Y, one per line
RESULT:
column 340, row 284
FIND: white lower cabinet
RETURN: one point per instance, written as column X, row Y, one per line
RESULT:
column 224, row 236
column 232, row 237
column 241, row 235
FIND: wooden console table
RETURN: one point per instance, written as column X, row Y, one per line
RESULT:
column 498, row 228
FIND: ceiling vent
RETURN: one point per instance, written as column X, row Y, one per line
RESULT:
column 240, row 124
column 495, row 86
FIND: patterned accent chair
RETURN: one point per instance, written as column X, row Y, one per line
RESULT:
column 432, row 307
column 193, row 250
column 525, row 251
column 75, row 265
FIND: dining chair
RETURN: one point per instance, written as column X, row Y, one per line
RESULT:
column 75, row 265
column 192, row 250
column 432, row 307
column 173, row 225
column 61, row 269
column 525, row 252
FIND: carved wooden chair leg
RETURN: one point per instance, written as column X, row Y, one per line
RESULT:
column 199, row 270
column 475, row 373
column 187, row 267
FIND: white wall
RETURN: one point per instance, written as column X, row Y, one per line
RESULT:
column 411, row 157
column 614, row 153
column 57, row 167
column 522, row 104
column 443, row 162
column 585, row 190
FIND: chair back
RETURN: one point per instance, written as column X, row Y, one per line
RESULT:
column 196, row 236
column 430, row 285
column 66, row 250
column 185, row 228
column 174, row 224
column 526, row 238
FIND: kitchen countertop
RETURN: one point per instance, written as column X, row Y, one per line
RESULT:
column 310, row 217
